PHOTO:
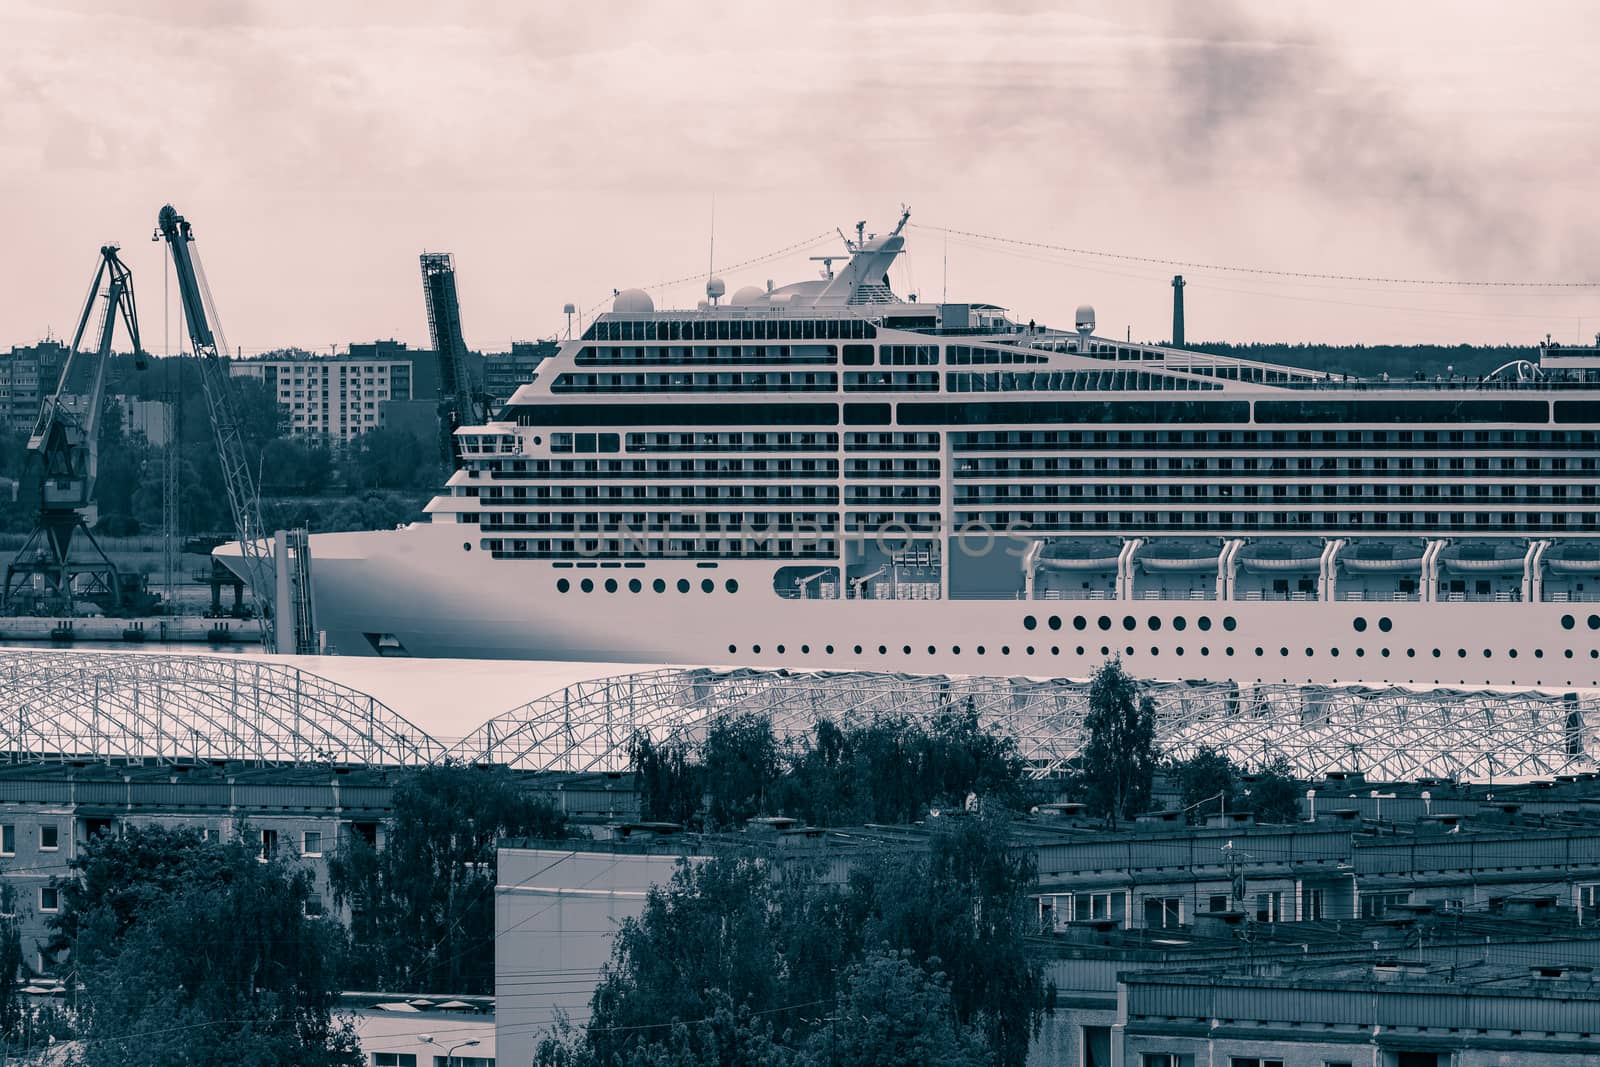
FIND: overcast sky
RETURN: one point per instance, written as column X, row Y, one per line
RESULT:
column 563, row 150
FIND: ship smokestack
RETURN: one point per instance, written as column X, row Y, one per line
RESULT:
column 1177, row 311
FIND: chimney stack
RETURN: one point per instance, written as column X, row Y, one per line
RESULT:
column 1177, row 311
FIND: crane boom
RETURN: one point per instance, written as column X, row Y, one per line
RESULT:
column 244, row 499
column 66, row 438
column 459, row 405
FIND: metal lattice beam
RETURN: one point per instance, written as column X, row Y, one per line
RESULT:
column 113, row 706
column 1389, row 733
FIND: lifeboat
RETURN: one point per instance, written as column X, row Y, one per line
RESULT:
column 1178, row 558
column 1482, row 559
column 1575, row 559
column 1282, row 558
column 1376, row 559
column 1080, row 557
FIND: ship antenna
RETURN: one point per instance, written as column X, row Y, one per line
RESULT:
column 711, row 257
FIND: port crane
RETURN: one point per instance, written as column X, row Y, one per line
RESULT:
column 459, row 402
column 66, row 438
column 260, row 553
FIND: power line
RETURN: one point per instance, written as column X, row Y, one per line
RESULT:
column 1315, row 275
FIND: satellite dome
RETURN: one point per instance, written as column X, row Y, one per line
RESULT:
column 633, row 302
column 715, row 287
column 747, row 295
column 1084, row 317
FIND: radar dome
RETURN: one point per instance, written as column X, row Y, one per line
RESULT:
column 1084, row 317
column 747, row 295
column 715, row 287
column 633, row 302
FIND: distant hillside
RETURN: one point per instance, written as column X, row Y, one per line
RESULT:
column 1371, row 361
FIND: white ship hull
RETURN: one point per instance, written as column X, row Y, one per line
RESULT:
column 418, row 592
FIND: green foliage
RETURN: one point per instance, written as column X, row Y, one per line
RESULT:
column 391, row 459
column 1275, row 795
column 920, row 957
column 1208, row 782
column 740, row 757
column 1117, row 767
column 11, row 963
column 423, row 905
column 889, row 770
column 191, row 951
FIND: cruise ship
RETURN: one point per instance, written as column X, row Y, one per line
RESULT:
column 830, row 475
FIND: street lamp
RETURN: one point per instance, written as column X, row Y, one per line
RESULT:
column 450, row 1054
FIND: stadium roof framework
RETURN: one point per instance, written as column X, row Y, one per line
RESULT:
column 1389, row 733
column 121, row 706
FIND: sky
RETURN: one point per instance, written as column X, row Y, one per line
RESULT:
column 561, row 151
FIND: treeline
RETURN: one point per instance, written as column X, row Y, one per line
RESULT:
column 382, row 478
column 919, row 955
column 892, row 769
column 1373, row 361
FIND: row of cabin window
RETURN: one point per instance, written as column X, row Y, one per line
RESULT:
column 1482, row 495
column 1323, row 466
column 1359, row 439
column 657, row 548
column 664, row 494
column 1419, row 524
column 774, row 329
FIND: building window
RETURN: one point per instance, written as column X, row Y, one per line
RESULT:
column 49, row 898
column 1589, row 903
column 1166, row 1059
column 1269, row 907
column 8, row 840
column 1376, row 905
column 311, row 843
column 394, row 1059
column 49, row 837
column 1253, row 1061
column 1311, row 904
column 269, row 844
column 1160, row 913
column 463, row 1061
column 313, row 908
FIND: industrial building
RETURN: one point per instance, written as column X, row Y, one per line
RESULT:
column 505, row 372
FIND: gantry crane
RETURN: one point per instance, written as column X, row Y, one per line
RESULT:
column 66, row 440
column 458, row 402
column 295, row 630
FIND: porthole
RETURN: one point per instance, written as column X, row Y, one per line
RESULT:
column 611, row 585
column 587, row 585
column 1005, row 650
column 1594, row 653
column 1487, row 653
column 1228, row 651
column 731, row 585
column 1538, row 653
column 1512, row 653
column 1080, row 623
column 828, row 650
column 707, row 585
column 1204, row 622
column 659, row 585
column 905, row 650
column 1310, row 652
column 932, row 651
column 732, row 649
column 755, row 649
column 1130, row 650
column 1105, row 650
column 883, row 650
column 1334, row 652
column 780, row 650
column 1360, row 624
column 858, row 650
column 1030, row 623
column 1179, row 650
column 562, row 585
column 1568, row 622
column 634, row 585
column 980, row 650
column 538, row 440
column 1154, row 651
column 1105, row 622
column 1204, row 651
column 1360, row 652
column 1080, row 651
column 1386, row 624
column 1055, row 650
column 1030, row 650
column 1260, row 651
column 683, row 585
column 1461, row 653
column 1436, row 653
column 466, row 546
column 1055, row 622
column 1283, row 651
column 805, row 650
column 1385, row 653
column 1154, row 622
column 1129, row 622
column 1411, row 653
column 1180, row 623
column 1229, row 622
column 1594, row 622
column 1569, row 653
column 955, row 650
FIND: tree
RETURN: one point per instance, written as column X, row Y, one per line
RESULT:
column 741, row 766
column 193, row 951
column 11, row 963
column 1117, row 768
column 424, row 904
column 1275, row 795
column 1204, row 779
column 893, row 1013
column 666, row 779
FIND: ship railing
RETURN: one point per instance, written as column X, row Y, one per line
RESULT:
column 1177, row 594
column 1504, row 597
column 1568, row 596
column 1271, row 594
column 1074, row 594
column 1377, row 596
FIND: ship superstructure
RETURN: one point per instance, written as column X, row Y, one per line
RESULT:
column 828, row 475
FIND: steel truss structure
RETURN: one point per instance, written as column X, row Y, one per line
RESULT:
column 122, row 707
column 1391, row 733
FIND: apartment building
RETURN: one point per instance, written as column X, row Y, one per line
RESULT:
column 335, row 399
